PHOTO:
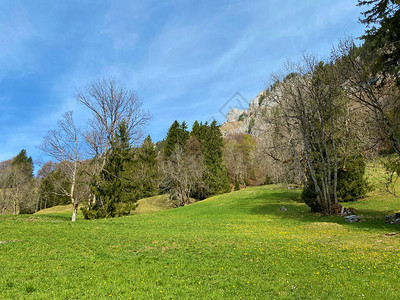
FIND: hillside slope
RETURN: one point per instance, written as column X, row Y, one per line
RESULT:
column 237, row 245
column 146, row 205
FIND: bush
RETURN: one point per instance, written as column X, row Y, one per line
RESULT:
column 251, row 124
column 242, row 116
column 352, row 184
column 109, row 210
column 237, row 185
column 309, row 197
column 268, row 179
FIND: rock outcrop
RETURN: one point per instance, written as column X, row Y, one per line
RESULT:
column 352, row 218
column 255, row 119
column 393, row 219
column 235, row 115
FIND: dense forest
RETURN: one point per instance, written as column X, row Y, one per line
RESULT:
column 327, row 118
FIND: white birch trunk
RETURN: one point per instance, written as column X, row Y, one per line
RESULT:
column 74, row 212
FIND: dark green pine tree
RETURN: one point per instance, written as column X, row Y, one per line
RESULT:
column 211, row 140
column 177, row 134
column 196, row 129
column 111, row 192
column 172, row 139
column 383, row 37
column 20, row 179
column 142, row 175
column 22, row 170
column 147, row 159
column 219, row 182
column 24, row 163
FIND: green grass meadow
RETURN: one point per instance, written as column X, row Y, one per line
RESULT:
column 233, row 246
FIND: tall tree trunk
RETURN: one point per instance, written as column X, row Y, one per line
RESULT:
column 74, row 211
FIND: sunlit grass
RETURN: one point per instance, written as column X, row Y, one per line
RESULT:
column 237, row 245
column 146, row 205
column 154, row 204
column 59, row 209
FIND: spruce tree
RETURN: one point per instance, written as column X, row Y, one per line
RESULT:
column 142, row 174
column 172, row 139
column 24, row 163
column 219, row 182
column 211, row 140
column 20, row 181
column 177, row 135
column 111, row 192
column 195, row 129
column 383, row 34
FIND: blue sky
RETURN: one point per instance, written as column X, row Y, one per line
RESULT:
column 184, row 59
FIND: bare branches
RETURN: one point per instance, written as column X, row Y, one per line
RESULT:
column 63, row 145
column 378, row 93
column 306, row 117
column 111, row 103
column 182, row 173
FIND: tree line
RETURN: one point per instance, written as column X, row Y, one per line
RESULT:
column 108, row 166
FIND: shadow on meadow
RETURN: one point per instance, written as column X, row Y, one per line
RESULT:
column 298, row 211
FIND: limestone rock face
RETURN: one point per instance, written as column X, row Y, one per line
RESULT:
column 233, row 115
column 254, row 120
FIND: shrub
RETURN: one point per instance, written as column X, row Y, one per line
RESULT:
column 352, row 184
column 251, row 124
column 242, row 116
column 309, row 197
column 237, row 185
column 268, row 179
column 109, row 210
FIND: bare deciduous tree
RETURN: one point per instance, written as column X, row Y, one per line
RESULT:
column 182, row 173
column 378, row 93
column 6, row 200
column 308, row 110
column 64, row 146
column 110, row 104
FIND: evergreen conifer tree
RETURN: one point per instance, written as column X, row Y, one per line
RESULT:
column 210, row 137
column 196, row 129
column 24, row 163
column 143, row 174
column 111, row 191
column 177, row 135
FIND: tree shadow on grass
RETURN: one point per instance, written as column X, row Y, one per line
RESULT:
column 298, row 211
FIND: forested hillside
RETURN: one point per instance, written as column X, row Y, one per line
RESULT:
column 316, row 125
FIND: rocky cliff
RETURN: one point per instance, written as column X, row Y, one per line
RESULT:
column 254, row 120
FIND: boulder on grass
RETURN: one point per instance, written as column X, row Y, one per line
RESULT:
column 393, row 219
column 352, row 218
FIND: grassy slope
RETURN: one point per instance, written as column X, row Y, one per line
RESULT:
column 146, row 205
column 59, row 209
column 238, row 245
column 153, row 204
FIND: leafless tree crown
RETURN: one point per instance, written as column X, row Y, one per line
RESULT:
column 111, row 103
